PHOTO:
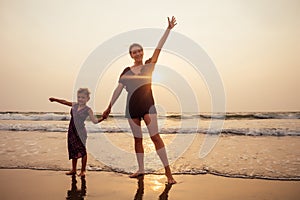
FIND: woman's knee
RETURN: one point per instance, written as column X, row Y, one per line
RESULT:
column 156, row 138
column 138, row 141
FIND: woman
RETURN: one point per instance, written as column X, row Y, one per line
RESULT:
column 140, row 103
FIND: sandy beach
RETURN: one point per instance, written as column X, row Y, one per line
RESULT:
column 265, row 157
column 33, row 166
column 43, row 184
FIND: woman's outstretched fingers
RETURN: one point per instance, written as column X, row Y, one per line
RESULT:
column 172, row 22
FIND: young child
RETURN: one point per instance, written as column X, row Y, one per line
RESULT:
column 77, row 134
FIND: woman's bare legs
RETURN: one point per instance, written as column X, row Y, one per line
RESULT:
column 135, row 125
column 151, row 122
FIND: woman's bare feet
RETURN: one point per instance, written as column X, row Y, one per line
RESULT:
column 82, row 174
column 70, row 173
column 136, row 174
column 171, row 180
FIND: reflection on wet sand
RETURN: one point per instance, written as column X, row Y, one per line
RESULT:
column 165, row 194
column 140, row 191
column 75, row 193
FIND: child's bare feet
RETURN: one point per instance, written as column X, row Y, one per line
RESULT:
column 82, row 174
column 70, row 173
column 136, row 174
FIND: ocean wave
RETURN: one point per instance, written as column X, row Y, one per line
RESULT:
column 34, row 127
column 45, row 116
column 262, row 132
column 259, row 115
column 35, row 116
column 91, row 128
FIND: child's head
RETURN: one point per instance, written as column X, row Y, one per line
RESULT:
column 83, row 95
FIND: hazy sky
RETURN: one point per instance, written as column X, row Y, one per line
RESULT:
column 254, row 45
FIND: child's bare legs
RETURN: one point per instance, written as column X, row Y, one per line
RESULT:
column 135, row 125
column 151, row 122
column 74, row 165
column 83, row 166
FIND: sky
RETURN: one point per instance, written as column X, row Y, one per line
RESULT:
column 254, row 45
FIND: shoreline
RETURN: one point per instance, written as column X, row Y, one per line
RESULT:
column 45, row 184
column 158, row 174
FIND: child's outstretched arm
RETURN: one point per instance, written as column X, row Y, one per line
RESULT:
column 94, row 119
column 61, row 101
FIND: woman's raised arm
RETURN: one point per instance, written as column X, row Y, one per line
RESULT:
column 163, row 39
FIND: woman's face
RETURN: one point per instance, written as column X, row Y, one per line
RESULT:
column 137, row 53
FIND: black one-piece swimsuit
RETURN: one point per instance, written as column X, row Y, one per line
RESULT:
column 139, row 98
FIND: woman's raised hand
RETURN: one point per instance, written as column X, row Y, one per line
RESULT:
column 172, row 22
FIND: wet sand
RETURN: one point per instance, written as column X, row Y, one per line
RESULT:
column 43, row 184
column 266, row 157
column 233, row 156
